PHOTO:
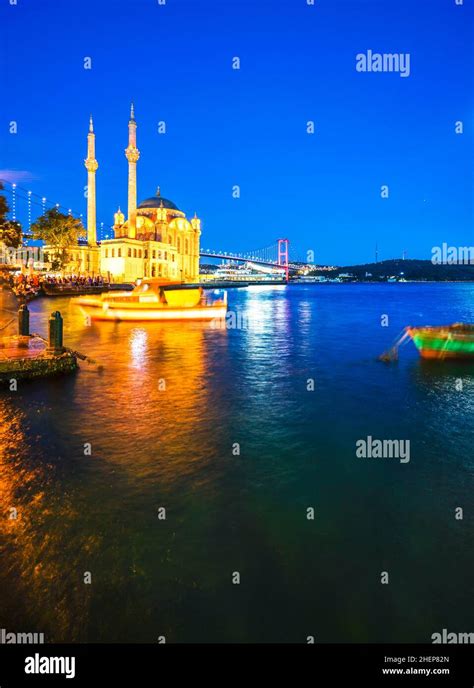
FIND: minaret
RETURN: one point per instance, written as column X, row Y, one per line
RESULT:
column 195, row 246
column 132, row 154
column 91, row 166
column 119, row 219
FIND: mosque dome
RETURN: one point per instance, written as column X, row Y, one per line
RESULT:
column 157, row 202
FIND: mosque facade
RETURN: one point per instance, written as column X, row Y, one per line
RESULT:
column 155, row 240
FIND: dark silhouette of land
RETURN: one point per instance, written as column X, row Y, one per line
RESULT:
column 418, row 270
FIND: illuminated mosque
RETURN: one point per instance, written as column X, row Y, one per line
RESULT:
column 156, row 239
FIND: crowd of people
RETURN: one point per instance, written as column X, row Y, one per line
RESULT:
column 27, row 286
column 74, row 281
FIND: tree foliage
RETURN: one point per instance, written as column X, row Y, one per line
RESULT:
column 4, row 209
column 11, row 233
column 10, row 230
column 59, row 232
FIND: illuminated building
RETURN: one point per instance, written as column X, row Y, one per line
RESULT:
column 156, row 240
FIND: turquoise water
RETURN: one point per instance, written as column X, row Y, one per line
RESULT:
column 163, row 420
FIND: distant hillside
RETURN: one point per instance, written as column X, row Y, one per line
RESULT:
column 422, row 270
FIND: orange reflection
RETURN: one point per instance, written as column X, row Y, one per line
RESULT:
column 148, row 417
column 152, row 398
column 33, row 531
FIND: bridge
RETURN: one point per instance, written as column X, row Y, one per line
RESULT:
column 29, row 206
column 275, row 256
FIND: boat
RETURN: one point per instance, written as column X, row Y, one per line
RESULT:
column 154, row 299
column 444, row 342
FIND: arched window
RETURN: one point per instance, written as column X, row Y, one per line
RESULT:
column 179, row 245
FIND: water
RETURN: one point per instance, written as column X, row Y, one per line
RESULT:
column 175, row 448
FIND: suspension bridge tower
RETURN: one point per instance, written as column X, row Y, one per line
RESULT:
column 283, row 255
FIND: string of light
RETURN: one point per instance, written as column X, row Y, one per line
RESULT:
column 21, row 193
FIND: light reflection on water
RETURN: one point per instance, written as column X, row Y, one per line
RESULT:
column 171, row 446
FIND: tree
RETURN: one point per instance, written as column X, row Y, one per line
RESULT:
column 59, row 232
column 10, row 230
column 4, row 209
column 11, row 233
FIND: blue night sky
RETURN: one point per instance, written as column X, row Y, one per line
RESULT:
column 247, row 127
